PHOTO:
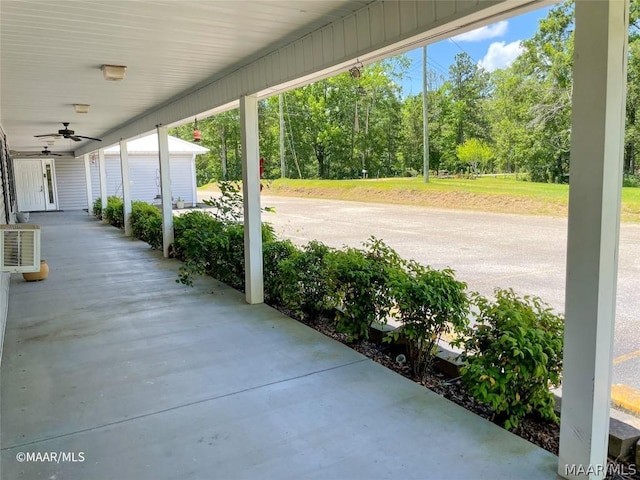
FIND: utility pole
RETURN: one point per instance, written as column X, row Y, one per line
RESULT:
column 425, row 122
column 282, row 165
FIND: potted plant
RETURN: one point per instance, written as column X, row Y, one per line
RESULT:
column 180, row 203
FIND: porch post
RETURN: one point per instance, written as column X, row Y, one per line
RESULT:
column 251, row 199
column 87, row 176
column 126, row 187
column 594, row 223
column 165, row 189
column 103, row 180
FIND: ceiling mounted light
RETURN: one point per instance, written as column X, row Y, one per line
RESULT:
column 113, row 72
column 81, row 107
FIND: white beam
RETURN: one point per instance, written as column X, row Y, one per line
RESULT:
column 165, row 189
column 594, row 223
column 87, row 176
column 126, row 186
column 103, row 180
column 254, row 281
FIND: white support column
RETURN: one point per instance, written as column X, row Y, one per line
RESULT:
column 254, row 281
column 594, row 222
column 165, row 189
column 87, row 176
column 126, row 186
column 103, row 180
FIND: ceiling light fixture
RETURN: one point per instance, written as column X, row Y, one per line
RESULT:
column 113, row 72
column 81, row 107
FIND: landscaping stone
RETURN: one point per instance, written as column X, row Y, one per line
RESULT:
column 623, row 439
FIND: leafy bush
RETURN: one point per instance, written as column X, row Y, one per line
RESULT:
column 114, row 213
column 195, row 233
column 306, row 287
column 97, row 208
column 146, row 223
column 630, row 180
column 429, row 303
column 513, row 356
column 274, row 253
column 228, row 206
column 209, row 246
column 362, row 286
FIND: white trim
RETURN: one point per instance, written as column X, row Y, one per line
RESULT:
column 254, row 280
column 87, row 173
column 165, row 189
column 103, row 180
column 597, row 141
column 126, row 187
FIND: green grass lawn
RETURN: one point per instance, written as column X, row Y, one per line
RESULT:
column 491, row 194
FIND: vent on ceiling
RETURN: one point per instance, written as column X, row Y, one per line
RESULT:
column 19, row 248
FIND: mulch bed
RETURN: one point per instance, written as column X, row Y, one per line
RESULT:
column 538, row 431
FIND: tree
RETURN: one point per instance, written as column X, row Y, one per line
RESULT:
column 475, row 153
column 468, row 87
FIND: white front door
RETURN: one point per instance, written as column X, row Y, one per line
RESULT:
column 35, row 184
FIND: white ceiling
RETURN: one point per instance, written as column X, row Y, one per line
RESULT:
column 51, row 54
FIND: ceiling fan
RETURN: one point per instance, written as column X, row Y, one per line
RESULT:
column 45, row 152
column 67, row 133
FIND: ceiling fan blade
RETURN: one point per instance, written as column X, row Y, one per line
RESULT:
column 49, row 135
column 89, row 138
column 75, row 138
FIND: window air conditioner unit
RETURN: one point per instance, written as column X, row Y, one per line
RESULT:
column 20, row 248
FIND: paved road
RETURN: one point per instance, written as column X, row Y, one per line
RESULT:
column 526, row 253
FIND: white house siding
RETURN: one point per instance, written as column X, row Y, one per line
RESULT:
column 144, row 175
column 71, row 183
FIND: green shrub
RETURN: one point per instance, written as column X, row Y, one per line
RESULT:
column 195, row 233
column 209, row 246
column 513, row 356
column 146, row 223
column 630, row 180
column 429, row 303
column 306, row 287
column 274, row 253
column 97, row 208
column 361, row 280
column 114, row 213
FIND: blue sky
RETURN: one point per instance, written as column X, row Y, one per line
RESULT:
column 494, row 46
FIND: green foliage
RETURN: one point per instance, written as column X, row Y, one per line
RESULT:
column 228, row 205
column 146, row 223
column 209, row 246
column 274, row 254
column 476, row 154
column 429, row 303
column 114, row 213
column 195, row 233
column 305, row 281
column 362, row 286
column 631, row 180
column 513, row 356
column 97, row 208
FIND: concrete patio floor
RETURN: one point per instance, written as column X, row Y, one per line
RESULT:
column 112, row 362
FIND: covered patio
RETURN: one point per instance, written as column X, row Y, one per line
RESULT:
column 135, row 365
column 110, row 359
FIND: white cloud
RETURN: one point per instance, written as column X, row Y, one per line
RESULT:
column 483, row 33
column 501, row 55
